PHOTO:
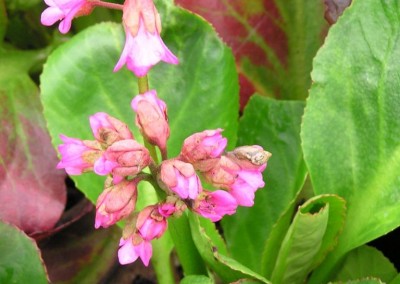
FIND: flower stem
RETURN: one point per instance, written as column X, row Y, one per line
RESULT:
column 107, row 4
column 143, row 84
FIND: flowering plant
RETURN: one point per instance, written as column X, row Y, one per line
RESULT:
column 178, row 181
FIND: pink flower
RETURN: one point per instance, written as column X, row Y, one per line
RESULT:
column 180, row 178
column 150, row 223
column 144, row 47
column 151, row 118
column 214, row 205
column 123, row 158
column 245, row 186
column 107, row 129
column 116, row 202
column 64, row 11
column 77, row 156
column 130, row 252
column 200, row 149
column 240, row 172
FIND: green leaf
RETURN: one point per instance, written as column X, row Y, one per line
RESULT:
column 196, row 279
column 312, row 233
column 228, row 269
column 186, row 250
column 351, row 128
column 275, row 125
column 20, row 260
column 78, row 81
column 396, row 280
column 366, row 261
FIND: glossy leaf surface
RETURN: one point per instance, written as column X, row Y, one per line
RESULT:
column 351, row 128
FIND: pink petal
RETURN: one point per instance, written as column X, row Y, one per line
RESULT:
column 127, row 253
column 51, row 15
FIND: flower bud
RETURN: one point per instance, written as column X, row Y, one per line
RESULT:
column 180, row 178
column 150, row 223
column 115, row 203
column 65, row 11
column 123, row 158
column 201, row 149
column 214, row 205
column 151, row 118
column 107, row 129
column 144, row 47
column 78, row 156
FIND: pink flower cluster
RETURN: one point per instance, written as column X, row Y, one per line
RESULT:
column 144, row 47
column 115, row 153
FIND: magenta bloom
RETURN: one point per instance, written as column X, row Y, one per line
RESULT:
column 116, row 202
column 214, row 205
column 199, row 148
column 180, row 178
column 77, row 156
column 144, row 50
column 64, row 11
column 151, row 118
column 129, row 252
column 107, row 129
column 123, row 158
column 240, row 177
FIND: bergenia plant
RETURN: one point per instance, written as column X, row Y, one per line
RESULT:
column 135, row 137
column 234, row 176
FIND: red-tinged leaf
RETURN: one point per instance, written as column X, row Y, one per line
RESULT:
column 32, row 191
column 274, row 41
column 334, row 9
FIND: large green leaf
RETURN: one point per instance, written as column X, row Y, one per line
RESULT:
column 275, row 125
column 366, row 261
column 78, row 81
column 20, row 260
column 313, row 232
column 351, row 128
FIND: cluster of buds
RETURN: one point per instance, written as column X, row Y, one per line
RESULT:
column 115, row 153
